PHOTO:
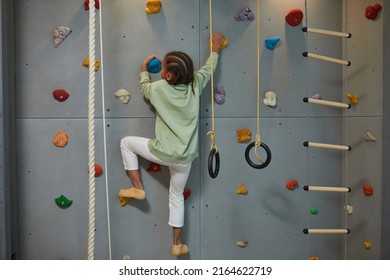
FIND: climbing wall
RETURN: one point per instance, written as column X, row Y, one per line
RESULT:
column 270, row 217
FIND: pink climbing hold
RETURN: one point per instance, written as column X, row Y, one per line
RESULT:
column 294, row 17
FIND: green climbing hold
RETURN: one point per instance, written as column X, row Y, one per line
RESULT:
column 314, row 211
column 63, row 202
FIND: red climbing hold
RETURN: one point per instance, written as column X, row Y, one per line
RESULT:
column 86, row 5
column 60, row 95
column 294, row 17
column 98, row 170
column 154, row 167
column 290, row 185
column 367, row 190
column 372, row 11
column 186, row 193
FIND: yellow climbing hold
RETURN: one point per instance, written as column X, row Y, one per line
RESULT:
column 367, row 245
column 86, row 63
column 353, row 98
column 153, row 6
column 124, row 200
column 242, row 189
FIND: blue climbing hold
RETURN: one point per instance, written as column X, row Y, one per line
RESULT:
column 271, row 43
column 154, row 66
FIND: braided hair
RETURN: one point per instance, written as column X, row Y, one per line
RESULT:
column 181, row 67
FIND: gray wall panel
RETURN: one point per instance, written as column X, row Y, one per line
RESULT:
column 269, row 212
column 269, row 216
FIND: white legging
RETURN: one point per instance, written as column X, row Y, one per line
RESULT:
column 132, row 146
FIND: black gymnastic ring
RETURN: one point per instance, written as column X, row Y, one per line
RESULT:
column 264, row 164
column 213, row 173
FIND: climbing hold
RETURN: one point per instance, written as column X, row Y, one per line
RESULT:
column 86, row 5
column 348, row 209
column 313, row 258
column 224, row 43
column 219, row 95
column 270, row 99
column 124, row 200
column 367, row 190
column 98, row 170
column 60, row 95
column 244, row 135
column 153, row 6
column 353, row 98
column 154, row 167
column 367, row 245
column 241, row 189
column 294, row 17
column 86, row 63
column 186, row 193
column 123, row 96
column 60, row 34
column 313, row 211
column 270, row 43
column 372, row 11
column 369, row 137
column 316, row 96
column 292, row 184
column 61, row 139
column 242, row 243
column 154, row 66
column 126, row 258
column 245, row 14
column 63, row 202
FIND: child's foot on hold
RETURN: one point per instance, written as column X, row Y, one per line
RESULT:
column 132, row 192
column 179, row 250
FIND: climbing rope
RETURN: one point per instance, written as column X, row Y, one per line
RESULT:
column 213, row 149
column 91, row 131
column 258, row 142
column 104, row 129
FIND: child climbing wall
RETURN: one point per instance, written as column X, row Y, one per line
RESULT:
column 263, row 222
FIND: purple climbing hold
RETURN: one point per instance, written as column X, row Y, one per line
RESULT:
column 245, row 14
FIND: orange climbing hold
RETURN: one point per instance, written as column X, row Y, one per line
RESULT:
column 292, row 184
column 243, row 135
column 61, row 139
column 367, row 190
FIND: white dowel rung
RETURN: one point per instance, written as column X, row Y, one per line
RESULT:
column 326, row 146
column 327, row 32
column 326, row 189
column 326, row 231
column 327, row 58
column 326, row 103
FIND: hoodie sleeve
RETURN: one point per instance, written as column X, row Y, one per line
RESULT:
column 203, row 75
column 146, row 84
